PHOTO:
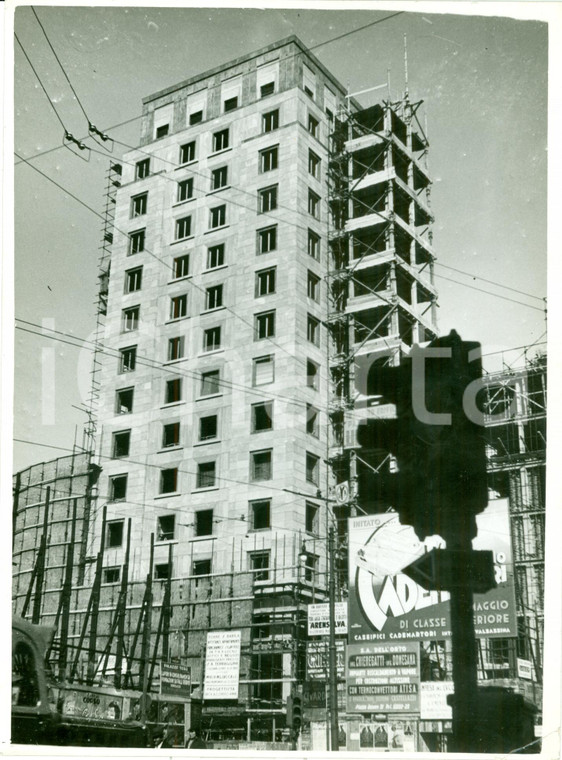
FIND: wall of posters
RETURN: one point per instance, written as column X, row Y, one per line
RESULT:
column 433, row 699
column 383, row 678
column 386, row 605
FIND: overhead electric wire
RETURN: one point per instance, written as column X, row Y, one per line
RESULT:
column 487, row 292
column 354, row 31
column 170, row 267
column 41, row 84
column 313, row 47
column 490, row 282
column 61, row 66
column 146, row 361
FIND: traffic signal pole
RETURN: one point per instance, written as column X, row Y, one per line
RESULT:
column 332, row 657
column 464, row 653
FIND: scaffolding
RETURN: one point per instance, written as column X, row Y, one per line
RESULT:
column 382, row 298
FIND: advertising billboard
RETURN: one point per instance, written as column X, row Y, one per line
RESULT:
column 222, row 665
column 387, row 605
column 318, row 659
column 383, row 678
column 319, row 618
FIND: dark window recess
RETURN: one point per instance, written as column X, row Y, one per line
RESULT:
column 162, row 571
column 208, row 427
column 313, row 125
column 136, row 242
column 262, row 416
column 212, row 339
column 185, row 189
column 187, row 152
column 265, row 282
column 313, row 164
column 259, row 564
column 178, row 307
column 142, row 168
column 114, row 536
column 312, row 468
column 214, row 297
column 171, row 435
column 265, row 325
column 312, row 374
column 210, row 383
column 175, row 349
column 313, row 245
column 139, row 204
column 206, row 474
column 118, row 487
column 121, row 443
column 309, row 92
column 181, row 266
column 204, row 522
column 183, row 227
column 267, row 89
column 312, row 427
column 269, row 159
column 270, row 121
column 267, row 199
column 260, row 514
column 215, row 256
column 218, row 216
column 313, row 204
column 267, row 239
column 112, row 575
column 201, row 567
column 312, row 518
column 310, row 567
column 124, row 401
column 166, row 528
column 220, row 140
column 169, row 480
column 128, row 359
column 196, row 117
column 133, row 280
column 173, row 390
column 230, row 104
column 261, row 465
column 162, row 131
column 219, row 178
column 313, row 286
column 313, row 330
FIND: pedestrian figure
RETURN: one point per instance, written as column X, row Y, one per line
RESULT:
column 194, row 741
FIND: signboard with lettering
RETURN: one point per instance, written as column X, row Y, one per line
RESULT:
column 386, row 605
column 319, row 619
column 175, row 680
column 383, row 677
column 524, row 669
column 90, row 702
column 317, row 659
column 433, row 699
column 222, row 665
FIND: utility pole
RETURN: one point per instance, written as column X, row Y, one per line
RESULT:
column 146, row 636
column 332, row 657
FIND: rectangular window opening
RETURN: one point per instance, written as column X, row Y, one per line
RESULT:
column 166, row 528
column 118, row 487
column 181, row 266
column 173, row 391
column 206, row 474
column 263, row 370
column 260, row 514
column 169, row 480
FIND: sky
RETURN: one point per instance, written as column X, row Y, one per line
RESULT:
column 483, row 81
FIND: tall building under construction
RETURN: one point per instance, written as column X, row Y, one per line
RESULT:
column 266, row 243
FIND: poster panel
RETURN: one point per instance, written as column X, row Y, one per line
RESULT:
column 318, row 659
column 433, row 699
column 222, row 665
column 383, row 678
column 319, row 618
column 387, row 605
column 175, row 680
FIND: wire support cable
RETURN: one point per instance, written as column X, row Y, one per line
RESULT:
column 91, row 127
